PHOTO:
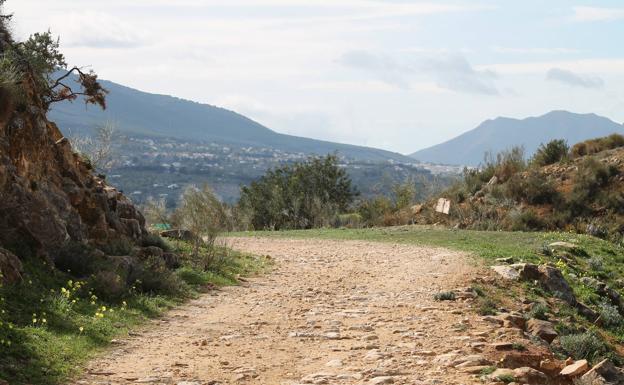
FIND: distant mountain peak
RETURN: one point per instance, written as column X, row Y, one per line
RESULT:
column 495, row 135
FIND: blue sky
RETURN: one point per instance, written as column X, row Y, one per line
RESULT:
column 399, row 75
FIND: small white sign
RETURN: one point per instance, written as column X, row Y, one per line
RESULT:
column 443, row 206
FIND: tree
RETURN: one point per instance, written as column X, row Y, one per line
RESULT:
column 300, row 196
column 39, row 62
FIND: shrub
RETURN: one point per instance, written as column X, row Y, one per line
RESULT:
column 526, row 220
column 585, row 346
column 153, row 277
column 152, row 239
column 550, row 153
column 201, row 212
column 535, row 189
column 595, row 264
column 373, row 210
column 610, row 315
column 445, row 296
column 118, row 247
column 109, row 286
column 76, row 258
column 539, row 311
column 487, row 306
column 597, row 145
column 352, row 221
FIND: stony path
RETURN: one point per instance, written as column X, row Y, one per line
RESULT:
column 332, row 312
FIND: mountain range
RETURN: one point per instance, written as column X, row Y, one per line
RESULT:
column 499, row 134
column 150, row 115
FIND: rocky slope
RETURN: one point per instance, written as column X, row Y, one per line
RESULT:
column 50, row 195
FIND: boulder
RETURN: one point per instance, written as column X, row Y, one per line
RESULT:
column 541, row 329
column 528, row 375
column 506, row 272
column 527, row 271
column 606, row 371
column 552, row 280
column 576, row 369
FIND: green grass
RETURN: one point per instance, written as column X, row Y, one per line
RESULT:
column 50, row 327
column 487, row 244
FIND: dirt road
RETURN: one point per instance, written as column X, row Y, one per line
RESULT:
column 332, row 312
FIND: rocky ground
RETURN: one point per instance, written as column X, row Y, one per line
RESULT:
column 332, row 312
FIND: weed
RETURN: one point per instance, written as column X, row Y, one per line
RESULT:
column 445, row 296
column 487, row 306
column 519, row 347
column 507, row 378
column 539, row 311
column 487, row 371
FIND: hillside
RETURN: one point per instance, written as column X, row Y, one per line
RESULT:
column 502, row 133
column 160, row 116
column 581, row 192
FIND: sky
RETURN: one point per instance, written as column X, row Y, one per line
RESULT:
column 394, row 74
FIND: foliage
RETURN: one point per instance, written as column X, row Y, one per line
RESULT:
column 304, row 195
column 200, row 212
column 445, row 296
column 539, row 311
column 550, row 153
column 526, row 220
column 534, row 188
column 585, row 346
column 97, row 149
column 610, row 315
column 36, row 62
column 594, row 146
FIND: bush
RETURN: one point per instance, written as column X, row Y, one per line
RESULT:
column 526, row 220
column 445, row 296
column 596, row 264
column 585, row 346
column 550, row 153
column 155, row 240
column 109, row 286
column 593, row 146
column 153, row 277
column 534, row 189
column 352, row 221
column 76, row 258
column 539, row 311
column 610, row 315
column 200, row 212
column 118, row 247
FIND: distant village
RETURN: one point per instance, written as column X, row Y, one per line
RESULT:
column 162, row 168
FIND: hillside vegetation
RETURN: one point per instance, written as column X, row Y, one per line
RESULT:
column 575, row 189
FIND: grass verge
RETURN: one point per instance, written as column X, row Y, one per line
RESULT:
column 52, row 323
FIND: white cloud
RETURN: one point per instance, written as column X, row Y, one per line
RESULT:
column 591, row 14
column 573, row 79
column 603, row 66
column 535, row 51
column 449, row 71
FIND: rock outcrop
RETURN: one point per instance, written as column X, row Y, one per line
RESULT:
column 49, row 194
